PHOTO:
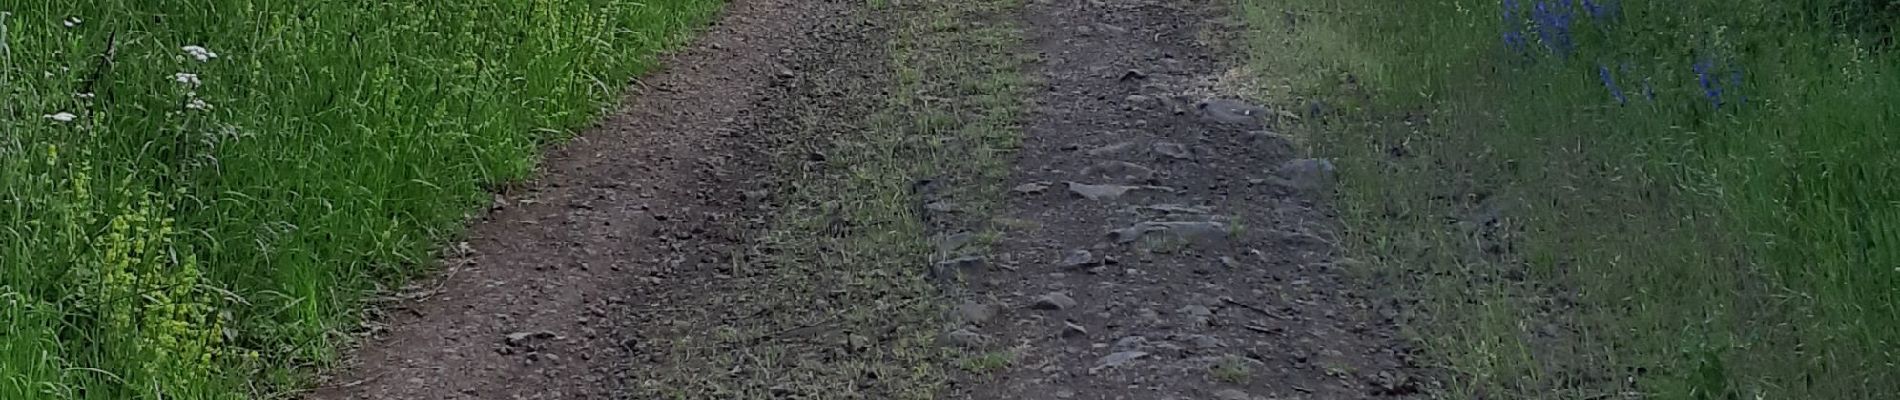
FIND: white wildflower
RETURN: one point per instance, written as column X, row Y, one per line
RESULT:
column 198, row 104
column 73, row 22
column 187, row 78
column 83, row 95
column 62, row 117
column 199, row 53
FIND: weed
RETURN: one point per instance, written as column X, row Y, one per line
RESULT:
column 1231, row 369
column 988, row 362
column 1236, row 227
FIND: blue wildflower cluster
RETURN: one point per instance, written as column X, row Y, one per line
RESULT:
column 1553, row 22
column 1553, row 25
column 1514, row 29
column 1603, row 12
column 1609, row 82
column 1713, row 87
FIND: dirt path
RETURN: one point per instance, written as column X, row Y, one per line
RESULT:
column 815, row 201
column 532, row 305
column 1165, row 244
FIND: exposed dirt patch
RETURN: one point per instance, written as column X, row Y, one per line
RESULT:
column 649, row 205
column 898, row 140
column 1162, row 241
column 784, row 211
column 808, row 308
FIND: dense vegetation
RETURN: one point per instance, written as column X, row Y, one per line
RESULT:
column 1590, row 199
column 197, row 194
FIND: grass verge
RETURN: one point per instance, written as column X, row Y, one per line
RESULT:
column 842, row 306
column 1605, row 199
column 198, row 195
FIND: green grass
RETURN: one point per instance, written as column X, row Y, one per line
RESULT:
column 987, row 362
column 1230, row 369
column 150, row 249
column 1562, row 245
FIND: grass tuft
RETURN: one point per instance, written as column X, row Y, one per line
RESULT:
column 1231, row 369
column 932, row 117
column 988, row 362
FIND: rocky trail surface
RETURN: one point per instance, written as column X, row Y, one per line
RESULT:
column 1167, row 243
column 840, row 199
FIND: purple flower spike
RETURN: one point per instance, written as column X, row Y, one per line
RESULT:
column 1609, row 82
column 1710, row 87
column 1553, row 25
column 1513, row 35
column 1604, row 11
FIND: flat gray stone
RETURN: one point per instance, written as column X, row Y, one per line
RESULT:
column 1205, row 342
column 1308, row 173
column 1175, row 209
column 523, row 338
column 1137, row 101
column 1099, row 192
column 1071, row 329
column 978, row 313
column 1131, row 342
column 1110, row 150
column 1120, row 170
column 1173, row 150
column 1232, row 111
column 1077, row 258
column 1232, row 394
column 1187, row 230
column 1053, row 301
column 1031, row 188
column 1194, row 230
column 1117, row 360
column 966, row 338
